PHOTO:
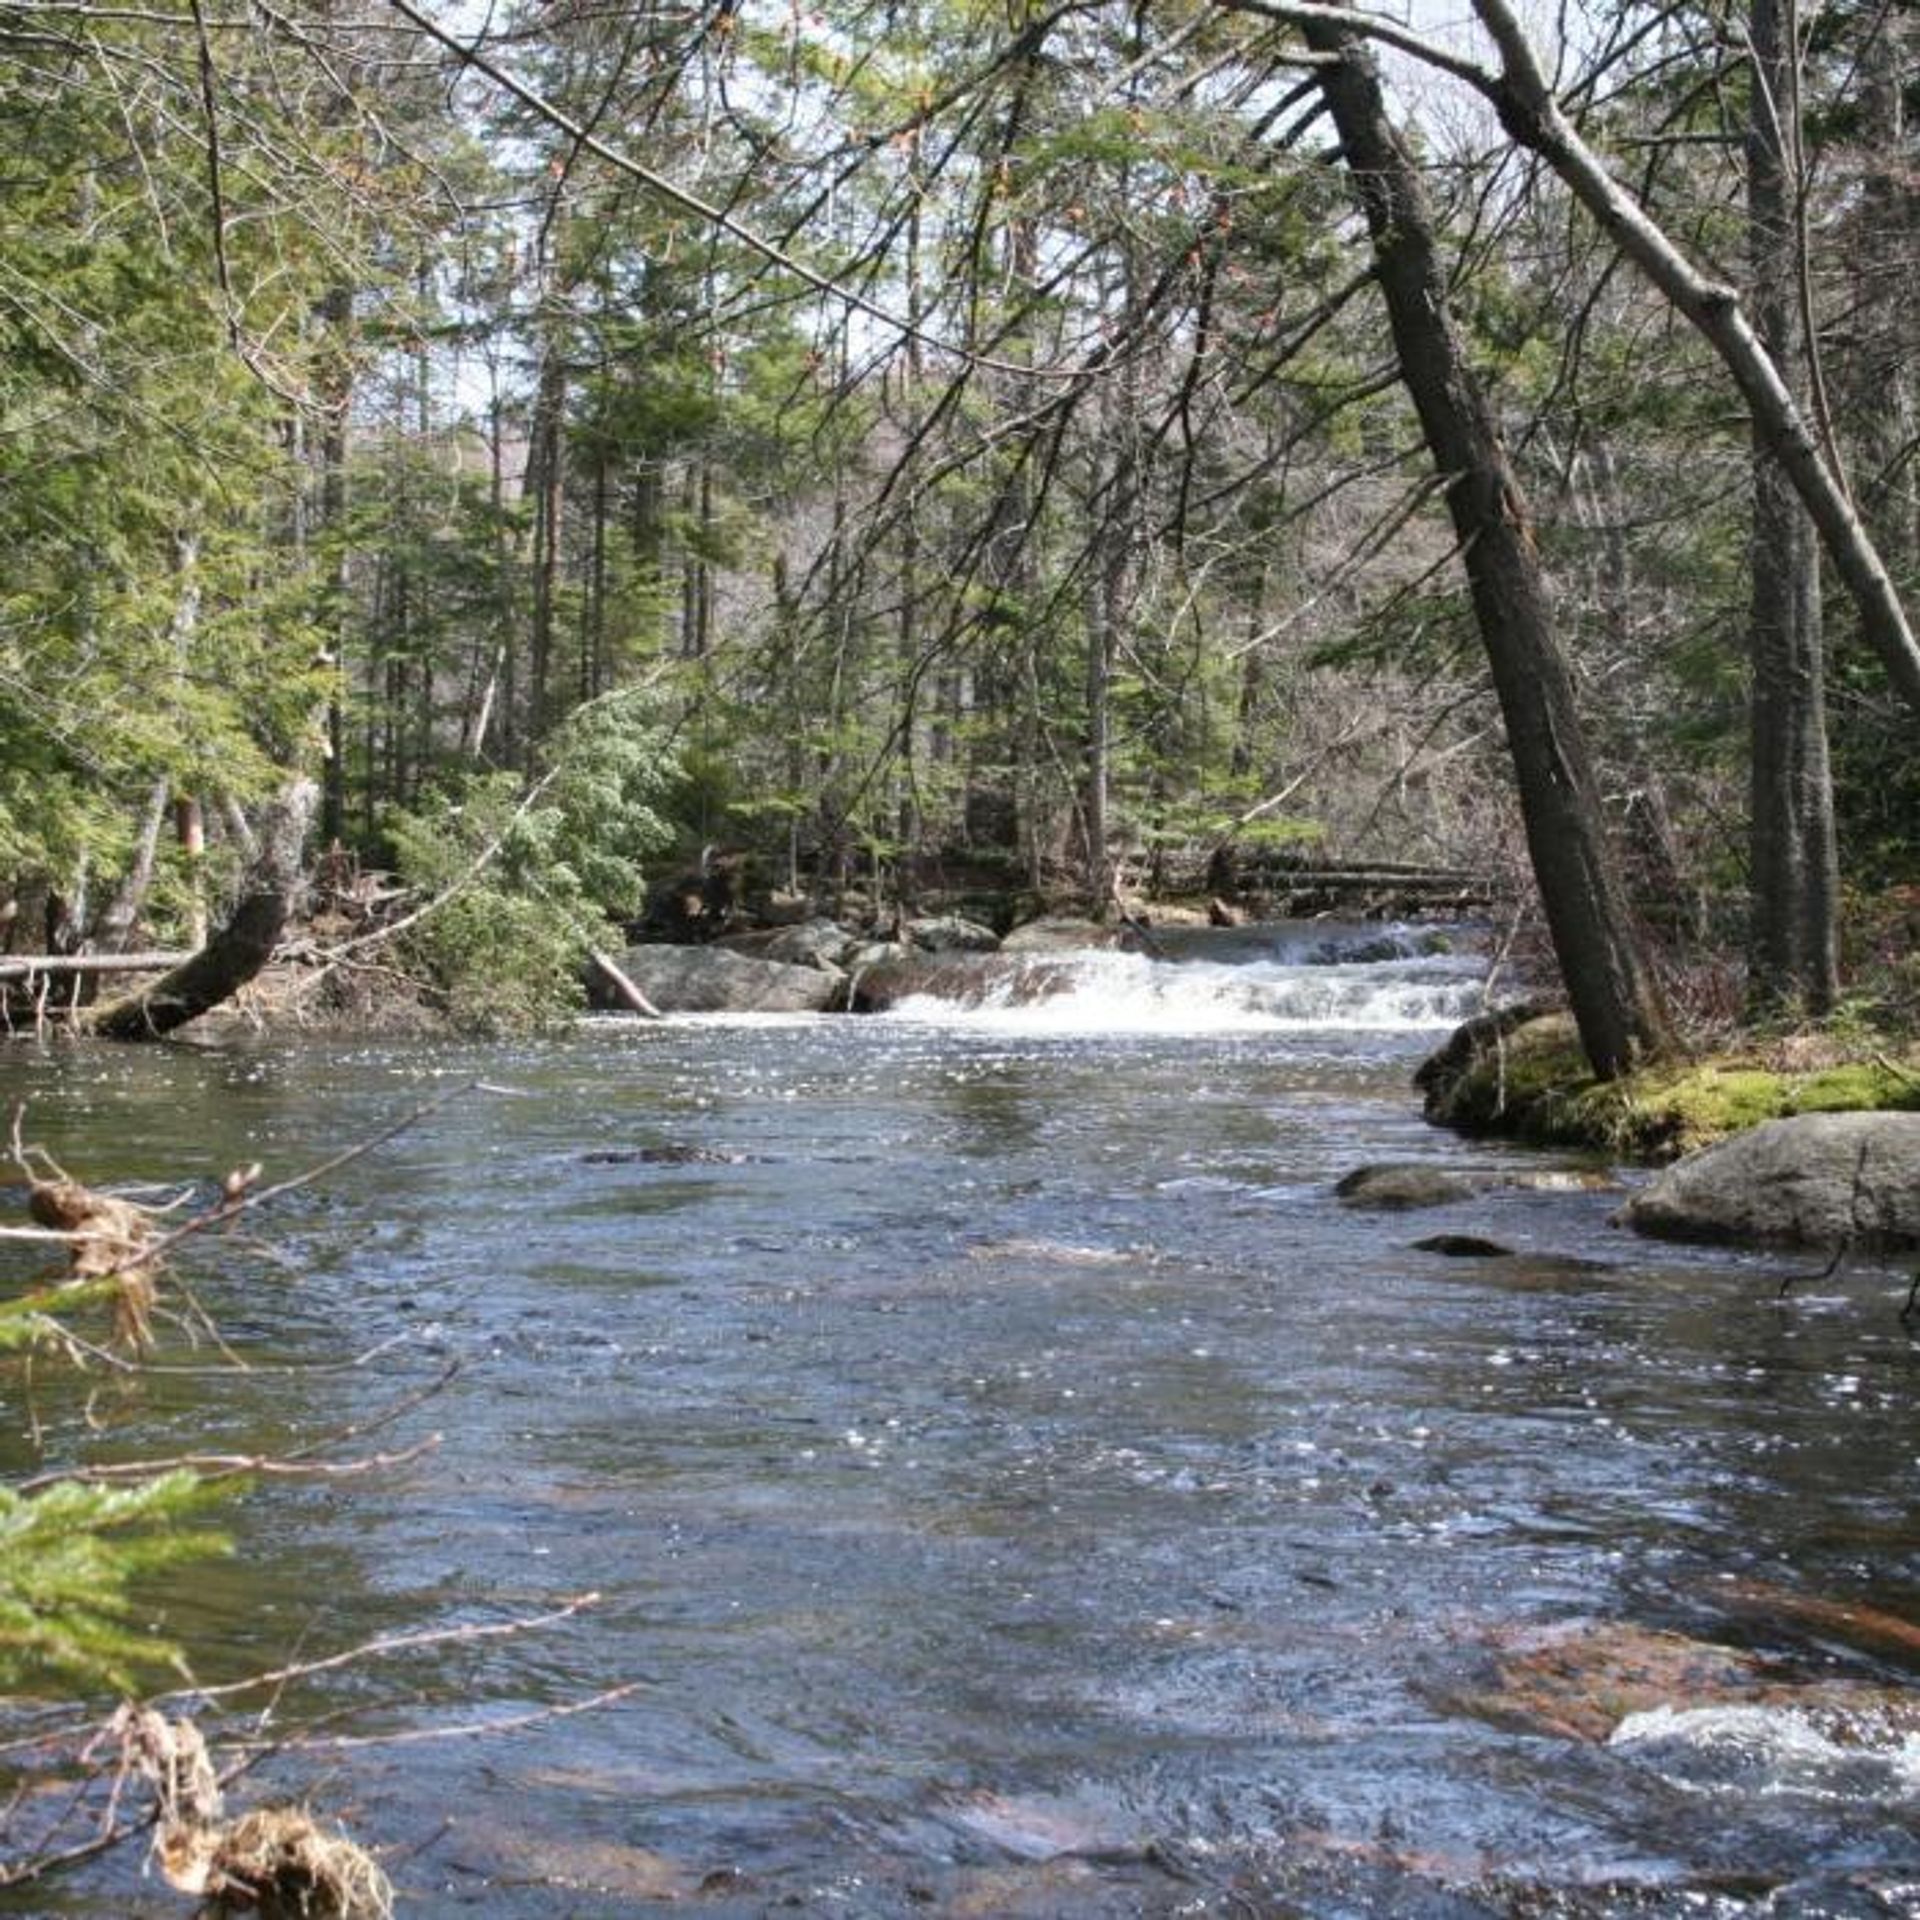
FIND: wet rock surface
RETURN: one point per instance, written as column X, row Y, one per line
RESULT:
column 1620, row 1683
column 671, row 1155
column 1406, row 1186
column 1463, row 1246
column 1816, row 1180
column 951, row 933
column 818, row 943
column 1060, row 934
column 714, row 980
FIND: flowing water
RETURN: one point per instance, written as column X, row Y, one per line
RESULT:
column 1013, row 1483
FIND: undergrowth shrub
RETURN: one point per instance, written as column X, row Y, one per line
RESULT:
column 519, row 880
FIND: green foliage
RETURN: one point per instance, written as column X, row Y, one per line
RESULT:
column 153, row 618
column 69, row 1556
column 1537, row 1084
column 35, row 1319
column 524, row 880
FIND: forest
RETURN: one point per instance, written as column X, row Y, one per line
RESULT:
column 1053, row 445
column 485, row 488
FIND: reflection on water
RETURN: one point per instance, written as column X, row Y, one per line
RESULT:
column 1018, row 1486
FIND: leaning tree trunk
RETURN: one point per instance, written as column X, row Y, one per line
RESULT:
column 1615, row 1003
column 1532, row 115
column 1793, row 958
column 241, row 946
column 114, row 933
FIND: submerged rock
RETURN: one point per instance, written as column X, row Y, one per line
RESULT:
column 1400, row 1187
column 1602, row 1680
column 667, row 1156
column 1812, row 1181
column 712, row 980
column 1463, row 1246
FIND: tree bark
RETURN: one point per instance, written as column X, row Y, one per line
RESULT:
column 545, row 485
column 1793, row 958
column 1610, row 988
column 1885, row 364
column 242, row 945
column 122, row 912
column 1533, row 117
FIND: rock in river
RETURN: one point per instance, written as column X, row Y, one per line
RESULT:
column 1401, row 1186
column 1810, row 1181
column 820, row 944
column 712, row 980
column 1463, row 1246
column 949, row 933
column 1400, row 1189
column 1058, row 934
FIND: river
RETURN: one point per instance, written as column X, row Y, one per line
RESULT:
column 1012, row 1482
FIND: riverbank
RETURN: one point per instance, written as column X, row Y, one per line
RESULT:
column 1521, row 1075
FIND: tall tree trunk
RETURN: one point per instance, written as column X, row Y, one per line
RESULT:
column 1793, row 947
column 490, row 690
column 596, row 667
column 909, row 824
column 1105, row 591
column 1533, row 116
column 696, row 581
column 1886, row 368
column 122, row 912
column 335, row 314
column 546, row 484
column 1609, row 985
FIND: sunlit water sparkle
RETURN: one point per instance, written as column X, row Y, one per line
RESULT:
column 1017, row 1484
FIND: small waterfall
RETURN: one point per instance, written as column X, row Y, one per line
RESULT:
column 1287, row 976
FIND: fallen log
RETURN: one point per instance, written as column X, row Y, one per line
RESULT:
column 622, row 986
column 238, row 950
column 50, row 966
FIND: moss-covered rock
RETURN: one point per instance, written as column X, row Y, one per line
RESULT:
column 1527, row 1077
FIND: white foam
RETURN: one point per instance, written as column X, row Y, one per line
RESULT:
column 1134, row 993
column 1774, row 1750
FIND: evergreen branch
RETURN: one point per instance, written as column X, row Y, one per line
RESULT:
column 715, row 217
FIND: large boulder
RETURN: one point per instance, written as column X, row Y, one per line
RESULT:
column 951, row 933
column 1810, row 1181
column 821, row 944
column 1059, row 934
column 712, row 980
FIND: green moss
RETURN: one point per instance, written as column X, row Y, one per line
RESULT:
column 1533, row 1082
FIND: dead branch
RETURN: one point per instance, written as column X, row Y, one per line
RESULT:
column 238, row 1196
column 383, row 1646
column 226, row 1466
column 171, row 1755
column 470, row 1730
